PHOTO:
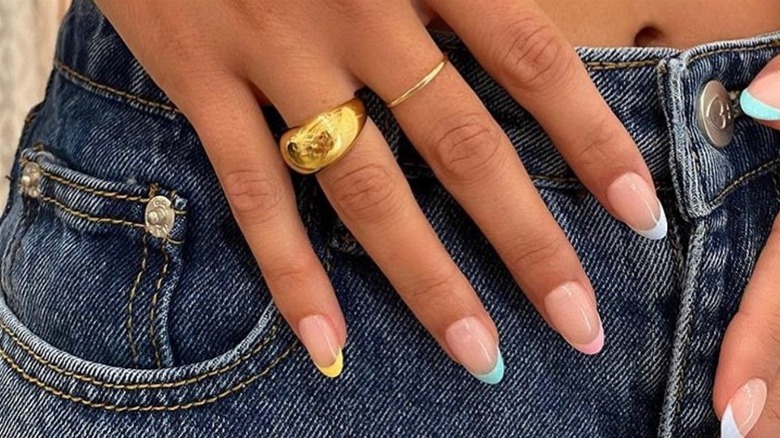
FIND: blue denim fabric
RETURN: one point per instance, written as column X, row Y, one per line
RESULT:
column 108, row 331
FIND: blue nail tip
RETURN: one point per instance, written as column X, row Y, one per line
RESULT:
column 496, row 374
column 758, row 109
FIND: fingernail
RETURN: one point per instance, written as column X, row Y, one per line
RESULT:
column 743, row 410
column 473, row 346
column 635, row 203
column 761, row 100
column 320, row 340
column 575, row 317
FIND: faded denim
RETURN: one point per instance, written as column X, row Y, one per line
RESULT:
column 108, row 331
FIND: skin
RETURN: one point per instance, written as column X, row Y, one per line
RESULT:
column 671, row 23
column 217, row 60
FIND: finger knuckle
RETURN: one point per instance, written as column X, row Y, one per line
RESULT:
column 598, row 143
column 437, row 286
column 532, row 57
column 466, row 147
column 526, row 254
column 254, row 197
column 366, row 192
column 293, row 275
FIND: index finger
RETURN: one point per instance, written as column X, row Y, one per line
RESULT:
column 519, row 46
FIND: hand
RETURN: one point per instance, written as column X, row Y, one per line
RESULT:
column 218, row 59
column 747, row 383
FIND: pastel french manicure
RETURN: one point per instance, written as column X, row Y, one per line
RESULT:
column 319, row 338
column 761, row 100
column 473, row 346
column 573, row 314
column 743, row 409
column 636, row 204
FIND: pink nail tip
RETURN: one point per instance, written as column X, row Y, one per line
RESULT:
column 593, row 347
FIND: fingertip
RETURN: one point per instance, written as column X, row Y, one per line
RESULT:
column 660, row 229
column 320, row 339
column 634, row 201
column 594, row 347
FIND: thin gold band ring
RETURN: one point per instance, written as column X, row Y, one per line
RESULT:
column 420, row 85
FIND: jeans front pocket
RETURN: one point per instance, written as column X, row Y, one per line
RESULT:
column 94, row 263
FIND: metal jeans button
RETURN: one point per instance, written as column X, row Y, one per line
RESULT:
column 31, row 179
column 716, row 113
column 159, row 216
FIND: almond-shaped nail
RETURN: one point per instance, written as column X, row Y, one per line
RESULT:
column 320, row 340
column 743, row 409
column 573, row 314
column 474, row 347
column 761, row 100
column 636, row 204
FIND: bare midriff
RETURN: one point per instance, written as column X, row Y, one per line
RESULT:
column 670, row 23
column 658, row 23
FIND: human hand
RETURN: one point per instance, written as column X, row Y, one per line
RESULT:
column 218, row 59
column 747, row 384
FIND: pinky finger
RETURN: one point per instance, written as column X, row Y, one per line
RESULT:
column 259, row 190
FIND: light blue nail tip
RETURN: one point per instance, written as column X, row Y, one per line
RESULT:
column 728, row 427
column 757, row 109
column 496, row 374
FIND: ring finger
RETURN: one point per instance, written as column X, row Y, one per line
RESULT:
column 371, row 195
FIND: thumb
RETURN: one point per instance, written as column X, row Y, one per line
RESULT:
column 746, row 381
column 761, row 100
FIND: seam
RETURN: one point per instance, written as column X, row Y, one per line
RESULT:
column 594, row 65
column 145, row 408
column 773, row 43
column 138, row 386
column 686, row 341
column 733, row 186
column 74, row 74
column 103, row 193
column 612, row 65
column 153, row 307
column 131, row 339
column 89, row 217
column 98, row 219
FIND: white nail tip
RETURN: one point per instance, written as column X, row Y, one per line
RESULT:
column 658, row 232
column 728, row 427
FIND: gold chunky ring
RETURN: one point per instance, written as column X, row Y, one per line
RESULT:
column 418, row 86
column 323, row 139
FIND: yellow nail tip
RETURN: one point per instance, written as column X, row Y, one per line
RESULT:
column 335, row 369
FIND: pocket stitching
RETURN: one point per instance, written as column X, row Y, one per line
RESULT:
column 104, row 193
column 153, row 306
column 273, row 333
column 99, row 219
column 142, row 408
column 133, row 289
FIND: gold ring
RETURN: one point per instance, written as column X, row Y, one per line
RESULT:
column 420, row 85
column 323, row 139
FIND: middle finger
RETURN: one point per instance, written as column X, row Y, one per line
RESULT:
column 476, row 162
column 371, row 195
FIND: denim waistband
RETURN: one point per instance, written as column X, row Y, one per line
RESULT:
column 653, row 91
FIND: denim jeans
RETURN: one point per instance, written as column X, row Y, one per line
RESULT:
column 132, row 306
